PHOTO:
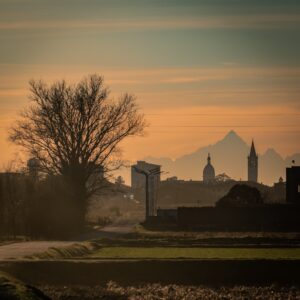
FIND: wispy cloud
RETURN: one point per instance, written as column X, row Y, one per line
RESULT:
column 234, row 21
column 240, row 86
column 10, row 78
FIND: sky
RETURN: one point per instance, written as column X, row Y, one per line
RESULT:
column 198, row 68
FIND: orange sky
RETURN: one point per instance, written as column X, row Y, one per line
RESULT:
column 198, row 68
column 182, row 108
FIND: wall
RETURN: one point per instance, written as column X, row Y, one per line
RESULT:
column 263, row 218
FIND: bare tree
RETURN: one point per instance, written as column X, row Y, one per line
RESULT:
column 75, row 130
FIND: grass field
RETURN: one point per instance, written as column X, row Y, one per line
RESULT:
column 196, row 253
column 215, row 234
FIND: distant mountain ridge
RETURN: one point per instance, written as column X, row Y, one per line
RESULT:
column 229, row 155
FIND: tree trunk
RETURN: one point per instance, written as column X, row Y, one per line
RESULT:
column 77, row 205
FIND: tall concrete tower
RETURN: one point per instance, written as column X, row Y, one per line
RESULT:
column 252, row 164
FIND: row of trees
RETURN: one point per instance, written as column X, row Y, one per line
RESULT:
column 11, row 197
column 73, row 132
column 38, row 208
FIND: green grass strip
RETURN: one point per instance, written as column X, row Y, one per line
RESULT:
column 196, row 253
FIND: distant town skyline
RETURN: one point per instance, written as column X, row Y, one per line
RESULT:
column 198, row 68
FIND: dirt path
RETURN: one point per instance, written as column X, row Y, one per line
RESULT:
column 110, row 231
column 20, row 249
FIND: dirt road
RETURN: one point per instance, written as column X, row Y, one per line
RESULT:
column 20, row 249
column 110, row 231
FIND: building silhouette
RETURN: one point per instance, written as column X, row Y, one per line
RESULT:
column 278, row 192
column 293, row 185
column 208, row 171
column 138, row 182
column 252, row 164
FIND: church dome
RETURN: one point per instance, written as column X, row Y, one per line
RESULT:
column 209, row 171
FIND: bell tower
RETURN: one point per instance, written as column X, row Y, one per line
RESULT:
column 252, row 164
column 209, row 171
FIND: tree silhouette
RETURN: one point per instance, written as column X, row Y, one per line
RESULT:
column 74, row 131
column 241, row 195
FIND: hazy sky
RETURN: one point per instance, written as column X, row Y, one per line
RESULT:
column 198, row 68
